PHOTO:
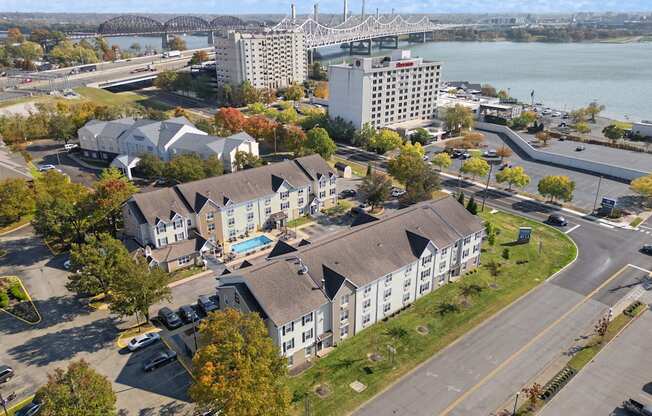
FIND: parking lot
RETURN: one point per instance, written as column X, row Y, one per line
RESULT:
column 52, row 152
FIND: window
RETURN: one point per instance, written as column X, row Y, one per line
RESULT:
column 332, row 192
column 288, row 328
column 160, row 228
column 387, row 307
column 308, row 350
column 300, row 192
column 183, row 260
column 333, row 180
column 344, row 300
column 476, row 248
column 367, row 291
column 268, row 211
column 163, row 241
column 387, row 294
column 285, row 195
column 406, row 297
column 426, row 260
column 250, row 206
column 307, row 335
column 306, row 318
column 407, row 283
column 366, row 318
column 179, row 237
column 236, row 297
column 344, row 331
column 478, row 234
column 408, row 270
column 250, row 216
column 467, row 240
column 288, row 345
column 300, row 201
column 388, row 280
column 231, row 233
column 424, row 287
column 231, row 222
column 251, row 226
column 444, row 251
column 344, row 314
column 366, row 304
column 322, row 194
column 465, row 253
column 210, row 216
column 442, row 279
column 189, row 222
column 211, row 227
column 268, row 201
column 285, row 205
column 425, row 273
column 178, row 224
column 229, row 212
column 442, row 266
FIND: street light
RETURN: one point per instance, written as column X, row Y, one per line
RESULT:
column 194, row 332
column 486, row 188
column 515, row 403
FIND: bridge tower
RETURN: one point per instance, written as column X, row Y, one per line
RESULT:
column 315, row 14
column 363, row 11
column 211, row 37
column 346, row 10
column 165, row 45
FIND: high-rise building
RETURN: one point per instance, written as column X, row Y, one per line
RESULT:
column 384, row 91
column 271, row 59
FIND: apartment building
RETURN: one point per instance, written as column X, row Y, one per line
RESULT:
column 384, row 91
column 315, row 295
column 211, row 211
column 269, row 59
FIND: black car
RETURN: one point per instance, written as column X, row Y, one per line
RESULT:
column 188, row 314
column 647, row 249
column 31, row 409
column 206, row 304
column 556, row 219
column 637, row 408
column 159, row 359
column 169, row 318
column 348, row 193
column 6, row 373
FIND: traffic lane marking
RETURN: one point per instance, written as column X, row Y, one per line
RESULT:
column 572, row 229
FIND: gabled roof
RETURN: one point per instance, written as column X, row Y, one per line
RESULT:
column 333, row 281
column 281, row 248
column 176, row 250
column 315, row 166
column 363, row 218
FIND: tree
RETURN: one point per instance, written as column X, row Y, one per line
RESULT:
column 291, row 138
column 320, row 142
column 579, row 116
column 317, row 72
column 190, row 167
column 213, row 166
column 256, row 108
column 260, row 127
column 30, row 51
column 97, row 263
column 442, row 160
column 230, row 119
column 458, row 118
column 488, row 90
column 475, row 167
column 503, row 152
column 642, row 186
column 245, row 160
column 364, row 136
column 198, row 57
column 420, row 136
column 594, row 109
column 239, row 371
column 533, row 392
column 557, row 187
column 543, row 137
column 419, row 177
column 150, row 166
column 14, row 35
column 460, row 198
column 287, row 116
column 376, row 189
column 137, row 288
column 472, row 140
column 384, row 141
column 16, row 200
column 503, row 95
column 166, row 80
column 136, row 48
column 583, row 128
column 177, row 44
column 613, row 133
column 321, row 90
column 409, row 159
column 513, row 176
column 472, row 206
column 78, row 391
column 112, row 190
column 294, row 92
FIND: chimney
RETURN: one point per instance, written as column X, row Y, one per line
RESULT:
column 315, row 16
column 293, row 12
column 363, row 4
column 346, row 9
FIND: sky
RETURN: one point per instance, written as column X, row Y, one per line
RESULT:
column 305, row 6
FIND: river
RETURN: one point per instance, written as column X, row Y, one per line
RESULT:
column 563, row 75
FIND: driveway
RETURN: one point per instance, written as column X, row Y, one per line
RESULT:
column 52, row 152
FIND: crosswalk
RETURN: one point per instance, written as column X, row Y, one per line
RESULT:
column 643, row 229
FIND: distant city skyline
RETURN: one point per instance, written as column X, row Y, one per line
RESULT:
column 326, row 6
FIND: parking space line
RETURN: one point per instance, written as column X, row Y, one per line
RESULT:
column 640, row 268
column 572, row 229
column 605, row 225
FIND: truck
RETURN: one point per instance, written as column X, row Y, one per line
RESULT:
column 83, row 69
column 171, row 54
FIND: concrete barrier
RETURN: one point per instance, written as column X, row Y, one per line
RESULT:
column 598, row 168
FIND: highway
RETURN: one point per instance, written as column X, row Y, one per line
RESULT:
column 480, row 373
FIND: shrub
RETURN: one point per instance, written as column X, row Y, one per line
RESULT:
column 506, row 254
column 17, row 291
column 4, row 300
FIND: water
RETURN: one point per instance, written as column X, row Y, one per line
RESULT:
column 564, row 76
column 251, row 244
column 154, row 42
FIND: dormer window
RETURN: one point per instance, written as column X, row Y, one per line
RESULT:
column 285, row 195
column 210, row 216
column 229, row 212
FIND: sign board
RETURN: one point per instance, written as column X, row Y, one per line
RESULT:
column 608, row 203
column 524, row 234
column 404, row 64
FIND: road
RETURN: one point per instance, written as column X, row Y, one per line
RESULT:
column 481, row 372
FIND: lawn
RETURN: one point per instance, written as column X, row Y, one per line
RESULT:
column 103, row 97
column 306, row 219
column 9, row 227
column 523, row 270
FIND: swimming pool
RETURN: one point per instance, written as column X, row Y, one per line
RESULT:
column 251, row 244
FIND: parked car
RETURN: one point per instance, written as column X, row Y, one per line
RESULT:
column 397, row 192
column 45, row 168
column 142, row 341
column 6, row 373
column 188, row 314
column 556, row 114
column 637, row 408
column 465, row 155
column 647, row 249
column 556, row 219
column 457, row 153
column 206, row 304
column 159, row 359
column 69, row 146
column 580, row 148
column 348, row 193
column 491, row 153
column 169, row 318
column 505, row 166
column 360, row 209
column 32, row 409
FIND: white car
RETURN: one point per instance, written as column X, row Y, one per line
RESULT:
column 45, row 168
column 142, row 341
column 70, row 146
column 397, row 192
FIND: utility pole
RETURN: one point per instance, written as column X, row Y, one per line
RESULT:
column 515, row 403
column 486, row 188
column 597, row 193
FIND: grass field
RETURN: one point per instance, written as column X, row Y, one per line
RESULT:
column 104, row 97
column 523, row 270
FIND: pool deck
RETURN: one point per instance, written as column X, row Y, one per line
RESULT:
column 228, row 247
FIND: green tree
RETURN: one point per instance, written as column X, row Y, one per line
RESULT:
column 594, row 109
column 97, row 263
column 30, row 51
column 150, row 166
column 442, row 160
column 245, row 160
column 582, row 128
column 291, row 138
column 248, row 93
column 16, row 200
column 256, row 108
column 409, row 159
column 294, row 92
column 137, row 288
column 458, row 118
column 213, row 166
column 475, row 167
column 364, row 136
column 384, row 141
column 460, row 198
column 239, row 371
column 472, row 206
column 613, row 133
column 642, row 186
column 419, row 177
column 579, row 116
column 513, row 176
column 420, row 136
column 557, row 187
column 177, row 44
column 376, row 189
column 184, row 168
column 166, row 80
column 320, row 142
column 78, row 391
column 317, row 72
column 287, row 116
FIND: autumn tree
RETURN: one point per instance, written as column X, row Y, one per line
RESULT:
column 260, row 127
column 77, row 391
column 442, row 160
column 385, row 140
column 543, row 137
column 488, row 90
column 418, row 176
column 532, row 393
column 177, row 44
column 291, row 138
column 593, row 110
column 321, row 90
column 294, row 92
column 230, row 119
column 111, row 191
column 245, row 160
column 583, row 128
column 14, row 35
column 239, row 371
column 503, row 152
column 557, row 187
column 198, row 57
column 458, row 118
column 642, row 186
column 16, row 200
column 513, row 176
column 319, row 141
column 376, row 189
column 476, row 167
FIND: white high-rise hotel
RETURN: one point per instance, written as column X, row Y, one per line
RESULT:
column 384, row 91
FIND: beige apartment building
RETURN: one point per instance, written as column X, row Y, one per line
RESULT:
column 267, row 59
column 315, row 295
column 226, row 208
